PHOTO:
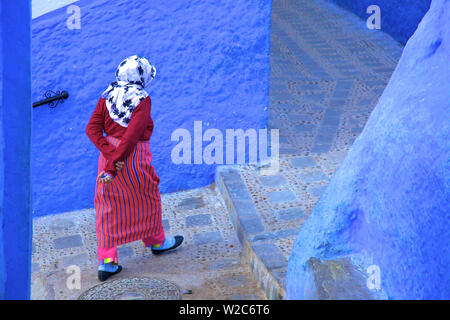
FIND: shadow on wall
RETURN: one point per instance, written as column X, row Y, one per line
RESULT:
column 213, row 65
column 399, row 18
column 387, row 208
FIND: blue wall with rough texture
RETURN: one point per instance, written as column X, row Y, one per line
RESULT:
column 2, row 168
column 398, row 17
column 15, row 144
column 389, row 202
column 212, row 59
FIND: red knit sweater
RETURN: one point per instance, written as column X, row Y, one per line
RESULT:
column 139, row 128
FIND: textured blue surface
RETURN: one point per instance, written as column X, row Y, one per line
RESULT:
column 389, row 202
column 213, row 65
column 398, row 17
column 2, row 168
column 15, row 205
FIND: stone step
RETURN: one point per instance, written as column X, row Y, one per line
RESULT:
column 267, row 262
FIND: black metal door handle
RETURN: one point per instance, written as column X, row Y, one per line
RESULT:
column 52, row 98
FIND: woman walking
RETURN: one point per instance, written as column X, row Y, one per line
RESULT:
column 127, row 200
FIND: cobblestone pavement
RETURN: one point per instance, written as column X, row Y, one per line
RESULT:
column 327, row 72
column 209, row 262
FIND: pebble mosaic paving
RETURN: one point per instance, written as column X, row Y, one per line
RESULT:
column 327, row 72
column 209, row 262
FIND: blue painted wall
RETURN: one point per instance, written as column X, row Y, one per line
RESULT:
column 398, row 17
column 2, row 168
column 15, row 145
column 389, row 202
column 213, row 65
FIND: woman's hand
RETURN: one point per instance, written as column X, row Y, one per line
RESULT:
column 119, row 165
column 104, row 177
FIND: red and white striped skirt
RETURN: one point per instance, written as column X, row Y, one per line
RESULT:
column 129, row 208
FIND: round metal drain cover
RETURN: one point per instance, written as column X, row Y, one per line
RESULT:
column 133, row 289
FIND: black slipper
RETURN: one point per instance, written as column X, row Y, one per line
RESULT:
column 103, row 275
column 178, row 241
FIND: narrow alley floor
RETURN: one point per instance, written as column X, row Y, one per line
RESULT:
column 327, row 72
column 208, row 262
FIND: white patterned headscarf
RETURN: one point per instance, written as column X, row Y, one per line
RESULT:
column 133, row 75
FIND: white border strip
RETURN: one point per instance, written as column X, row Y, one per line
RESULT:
column 41, row 7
